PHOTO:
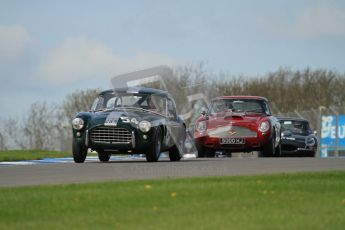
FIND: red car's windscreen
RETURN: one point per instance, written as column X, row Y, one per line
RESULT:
column 240, row 106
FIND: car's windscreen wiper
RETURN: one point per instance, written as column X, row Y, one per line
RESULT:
column 103, row 110
column 254, row 111
column 142, row 109
column 125, row 108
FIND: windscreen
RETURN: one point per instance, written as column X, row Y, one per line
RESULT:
column 239, row 105
column 296, row 127
column 144, row 101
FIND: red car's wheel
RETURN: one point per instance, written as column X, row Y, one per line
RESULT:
column 278, row 151
column 201, row 150
column 269, row 149
column 210, row 153
column 205, row 152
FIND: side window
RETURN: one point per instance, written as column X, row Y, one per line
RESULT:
column 156, row 103
column 94, row 104
column 97, row 104
column 111, row 103
column 171, row 109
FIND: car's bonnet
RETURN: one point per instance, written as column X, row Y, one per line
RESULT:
column 251, row 121
column 102, row 117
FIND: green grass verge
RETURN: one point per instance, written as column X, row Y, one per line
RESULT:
column 285, row 201
column 17, row 155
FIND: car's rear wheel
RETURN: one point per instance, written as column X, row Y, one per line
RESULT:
column 174, row 154
column 152, row 154
column 103, row 156
column 79, row 152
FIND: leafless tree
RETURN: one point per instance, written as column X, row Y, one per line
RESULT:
column 47, row 126
column 2, row 142
column 36, row 130
column 13, row 134
column 80, row 100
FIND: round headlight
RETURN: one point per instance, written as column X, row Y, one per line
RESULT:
column 201, row 126
column 311, row 141
column 264, row 126
column 144, row 126
column 77, row 123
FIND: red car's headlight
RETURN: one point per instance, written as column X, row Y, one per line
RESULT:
column 201, row 126
column 264, row 126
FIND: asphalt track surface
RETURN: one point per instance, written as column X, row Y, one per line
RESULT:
column 138, row 169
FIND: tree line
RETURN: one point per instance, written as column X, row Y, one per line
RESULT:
column 47, row 126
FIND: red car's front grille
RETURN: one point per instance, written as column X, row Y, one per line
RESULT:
column 231, row 131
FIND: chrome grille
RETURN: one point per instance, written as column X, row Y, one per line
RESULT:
column 112, row 135
column 231, row 131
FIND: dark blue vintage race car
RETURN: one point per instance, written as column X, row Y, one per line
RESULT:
column 129, row 121
column 297, row 137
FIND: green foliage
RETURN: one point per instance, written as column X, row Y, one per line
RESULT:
column 286, row 201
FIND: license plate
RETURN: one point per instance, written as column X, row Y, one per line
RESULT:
column 232, row 141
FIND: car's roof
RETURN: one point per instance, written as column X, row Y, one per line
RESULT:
column 292, row 119
column 241, row 97
column 139, row 90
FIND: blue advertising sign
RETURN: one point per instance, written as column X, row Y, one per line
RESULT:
column 329, row 134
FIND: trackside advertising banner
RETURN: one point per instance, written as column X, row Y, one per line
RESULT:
column 330, row 136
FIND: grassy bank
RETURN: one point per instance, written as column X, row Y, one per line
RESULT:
column 17, row 155
column 287, row 201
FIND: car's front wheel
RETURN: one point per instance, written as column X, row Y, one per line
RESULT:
column 278, row 151
column 79, row 152
column 154, row 151
column 210, row 153
column 200, row 149
column 269, row 149
column 103, row 156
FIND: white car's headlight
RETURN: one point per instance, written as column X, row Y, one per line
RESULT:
column 311, row 141
column 201, row 126
column 77, row 123
column 144, row 126
column 264, row 126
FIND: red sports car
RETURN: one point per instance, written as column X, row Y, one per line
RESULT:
column 238, row 124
